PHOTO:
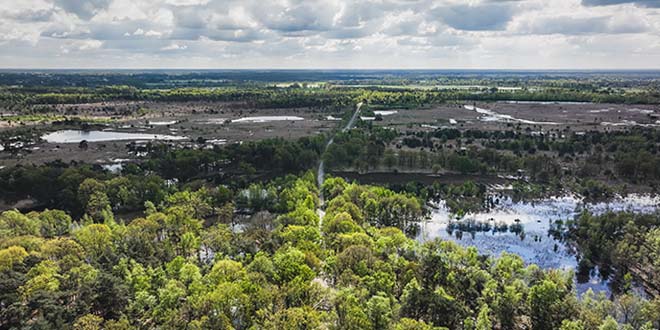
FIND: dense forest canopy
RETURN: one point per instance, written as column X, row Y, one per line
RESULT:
column 191, row 262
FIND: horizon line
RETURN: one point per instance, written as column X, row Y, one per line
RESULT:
column 324, row 69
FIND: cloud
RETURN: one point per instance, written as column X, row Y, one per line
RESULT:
column 330, row 33
column 482, row 17
column 31, row 15
column 641, row 3
column 311, row 15
column 174, row 46
column 577, row 25
column 84, row 9
column 81, row 46
column 187, row 2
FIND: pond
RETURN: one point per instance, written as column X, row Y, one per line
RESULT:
column 386, row 112
column 265, row 119
column 76, row 136
column 547, row 102
column 535, row 246
column 162, row 122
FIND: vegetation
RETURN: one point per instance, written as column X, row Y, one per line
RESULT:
column 585, row 162
column 353, row 269
column 622, row 246
column 194, row 235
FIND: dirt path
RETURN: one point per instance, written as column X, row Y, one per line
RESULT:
column 321, row 171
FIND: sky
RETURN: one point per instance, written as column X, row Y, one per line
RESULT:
column 330, row 34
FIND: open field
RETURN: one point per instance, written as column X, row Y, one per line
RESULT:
column 537, row 116
column 230, row 122
column 202, row 125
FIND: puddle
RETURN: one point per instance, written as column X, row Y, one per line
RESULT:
column 489, row 115
column 76, row 136
column 546, row 102
column 162, row 123
column 212, row 121
column 265, row 119
column 386, row 112
column 642, row 111
column 113, row 168
column 217, row 141
column 628, row 123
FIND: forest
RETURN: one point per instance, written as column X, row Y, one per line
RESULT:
column 191, row 262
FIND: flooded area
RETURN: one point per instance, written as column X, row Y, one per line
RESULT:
column 77, row 136
column 162, row 122
column 628, row 123
column 547, row 102
column 386, row 112
column 489, row 115
column 534, row 245
column 265, row 119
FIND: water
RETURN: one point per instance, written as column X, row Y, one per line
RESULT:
column 535, row 217
column 386, row 112
column 113, row 168
column 628, row 123
column 76, row 136
column 548, row 102
column 217, row 141
column 490, row 115
column 162, row 123
column 212, row 121
column 265, row 119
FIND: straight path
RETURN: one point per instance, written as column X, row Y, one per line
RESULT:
column 320, row 174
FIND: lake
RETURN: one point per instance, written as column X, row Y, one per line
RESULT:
column 265, row 119
column 76, row 136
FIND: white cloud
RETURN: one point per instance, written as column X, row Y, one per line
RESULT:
column 174, row 46
column 80, row 46
column 331, row 33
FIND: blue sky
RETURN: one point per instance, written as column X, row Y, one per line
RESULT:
column 479, row 34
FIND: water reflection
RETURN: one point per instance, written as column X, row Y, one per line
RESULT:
column 485, row 229
column 76, row 136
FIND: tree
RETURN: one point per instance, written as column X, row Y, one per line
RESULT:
column 297, row 318
column 97, row 204
column 571, row 325
column 88, row 322
column 545, row 301
column 53, row 222
column 609, row 324
column 14, row 223
column 483, row 319
column 96, row 239
column 379, row 311
column 290, row 263
column 10, row 256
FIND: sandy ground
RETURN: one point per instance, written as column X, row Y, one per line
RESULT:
column 576, row 117
column 190, row 119
column 211, row 121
